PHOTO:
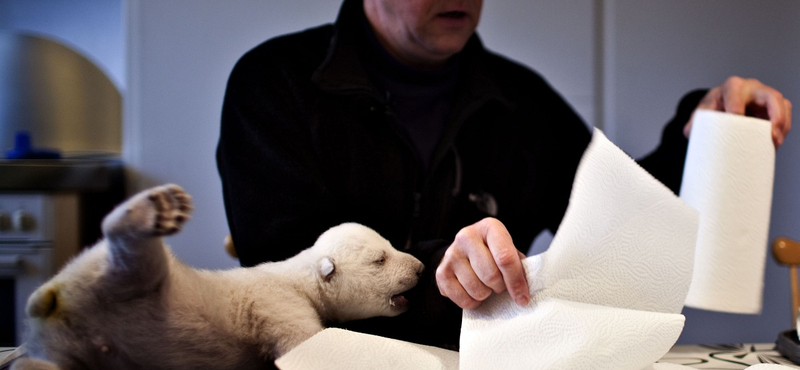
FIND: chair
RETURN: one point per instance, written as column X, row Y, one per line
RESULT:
column 787, row 251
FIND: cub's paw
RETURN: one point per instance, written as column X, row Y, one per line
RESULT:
column 173, row 206
column 154, row 212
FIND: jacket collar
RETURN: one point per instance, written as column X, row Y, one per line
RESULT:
column 342, row 70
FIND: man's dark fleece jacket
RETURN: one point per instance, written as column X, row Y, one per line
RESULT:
column 310, row 140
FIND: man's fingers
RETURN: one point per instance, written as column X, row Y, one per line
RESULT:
column 508, row 261
column 712, row 100
column 736, row 92
column 787, row 126
column 471, row 283
column 768, row 103
column 772, row 101
column 454, row 278
column 516, row 284
column 481, row 261
column 779, row 110
column 752, row 98
column 450, row 287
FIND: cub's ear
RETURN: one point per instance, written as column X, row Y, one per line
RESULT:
column 326, row 268
column 43, row 302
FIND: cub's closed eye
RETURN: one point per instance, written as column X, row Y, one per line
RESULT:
column 381, row 261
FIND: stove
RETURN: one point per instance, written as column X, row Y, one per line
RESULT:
column 49, row 211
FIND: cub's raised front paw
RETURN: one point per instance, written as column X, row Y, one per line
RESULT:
column 157, row 211
column 173, row 207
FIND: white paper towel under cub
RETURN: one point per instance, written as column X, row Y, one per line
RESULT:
column 728, row 176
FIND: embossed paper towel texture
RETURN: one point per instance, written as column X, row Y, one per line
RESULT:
column 608, row 292
column 728, row 177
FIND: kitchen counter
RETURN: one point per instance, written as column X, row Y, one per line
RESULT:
column 80, row 190
column 80, row 175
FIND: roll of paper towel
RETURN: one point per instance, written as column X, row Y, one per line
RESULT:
column 728, row 177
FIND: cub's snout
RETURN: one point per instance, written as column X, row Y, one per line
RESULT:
column 412, row 269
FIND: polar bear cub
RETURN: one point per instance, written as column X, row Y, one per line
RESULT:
column 128, row 303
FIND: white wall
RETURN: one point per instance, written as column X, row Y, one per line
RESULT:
column 555, row 37
column 180, row 53
column 94, row 28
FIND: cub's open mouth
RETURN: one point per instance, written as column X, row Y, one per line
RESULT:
column 398, row 301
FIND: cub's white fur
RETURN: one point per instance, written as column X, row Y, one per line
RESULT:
column 128, row 303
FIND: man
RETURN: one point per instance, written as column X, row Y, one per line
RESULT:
column 398, row 118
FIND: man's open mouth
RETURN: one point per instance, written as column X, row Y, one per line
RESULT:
column 453, row 14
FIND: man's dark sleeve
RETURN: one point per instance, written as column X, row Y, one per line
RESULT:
column 271, row 183
column 666, row 162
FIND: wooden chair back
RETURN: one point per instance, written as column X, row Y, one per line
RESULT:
column 787, row 251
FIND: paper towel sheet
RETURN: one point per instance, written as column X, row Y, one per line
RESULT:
column 560, row 334
column 607, row 293
column 337, row 349
column 728, row 177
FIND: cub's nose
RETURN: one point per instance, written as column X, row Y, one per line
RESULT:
column 420, row 268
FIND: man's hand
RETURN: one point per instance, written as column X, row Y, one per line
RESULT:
column 482, row 260
column 750, row 97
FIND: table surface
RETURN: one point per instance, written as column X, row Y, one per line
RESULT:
column 4, row 353
column 725, row 356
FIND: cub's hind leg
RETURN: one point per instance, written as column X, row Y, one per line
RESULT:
column 134, row 229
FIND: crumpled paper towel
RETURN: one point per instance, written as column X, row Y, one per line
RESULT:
column 608, row 292
column 728, row 178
